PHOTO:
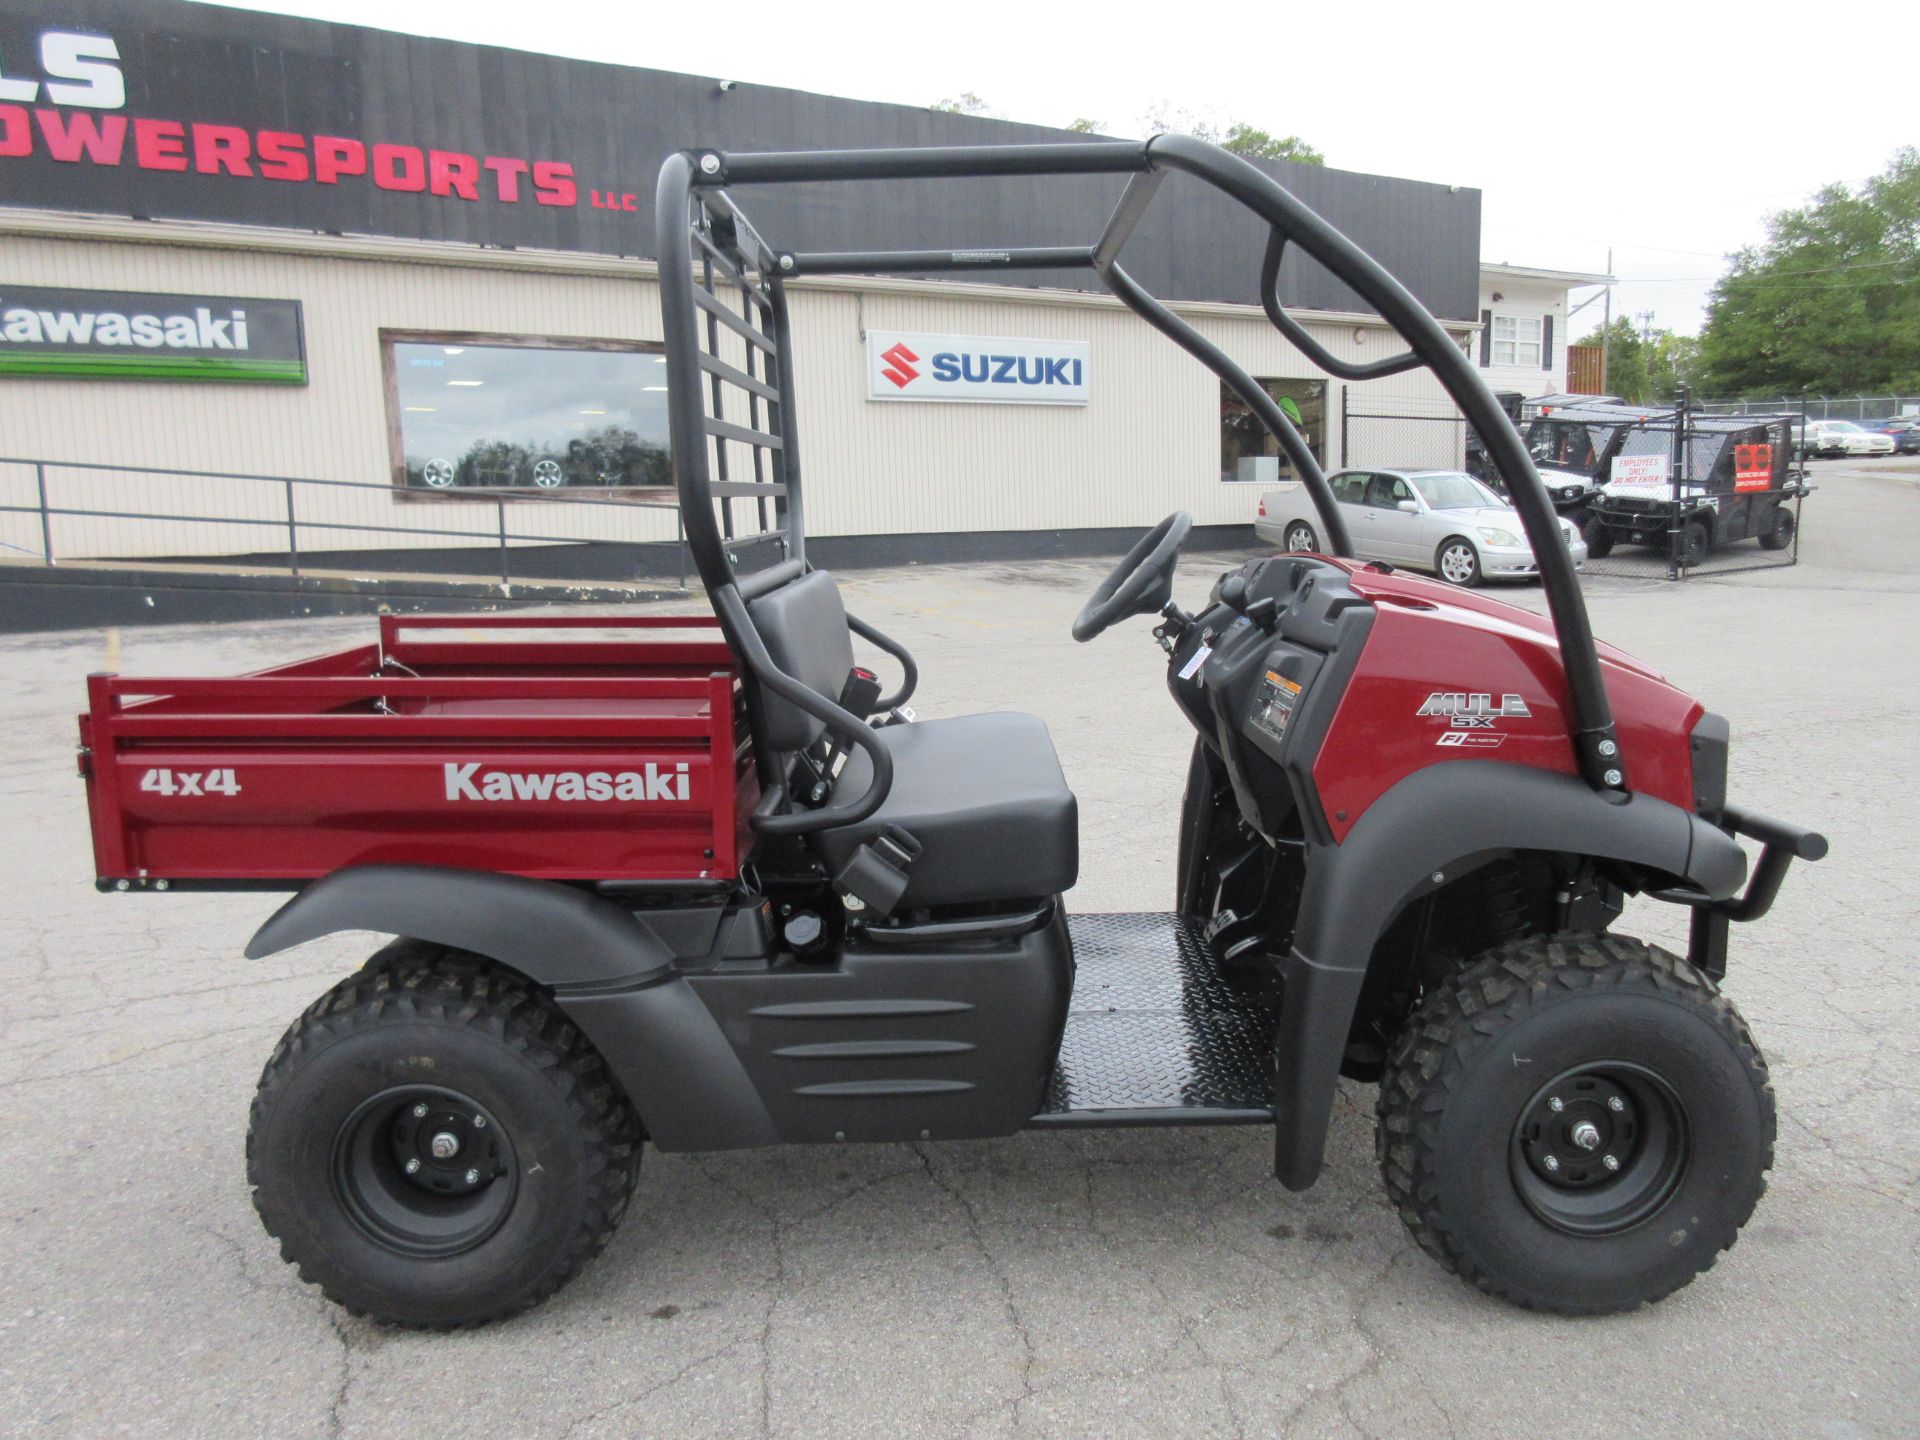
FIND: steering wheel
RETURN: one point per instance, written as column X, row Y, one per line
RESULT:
column 1141, row 583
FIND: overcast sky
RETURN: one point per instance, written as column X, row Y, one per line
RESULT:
column 1665, row 131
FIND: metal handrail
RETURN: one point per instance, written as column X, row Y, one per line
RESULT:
column 499, row 533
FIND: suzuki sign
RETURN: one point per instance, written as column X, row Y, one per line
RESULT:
column 978, row 369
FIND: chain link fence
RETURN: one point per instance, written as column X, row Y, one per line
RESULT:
column 1820, row 407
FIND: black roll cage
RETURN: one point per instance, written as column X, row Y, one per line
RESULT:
column 698, row 223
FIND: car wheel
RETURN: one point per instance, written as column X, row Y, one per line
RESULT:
column 1575, row 1123
column 438, row 474
column 1457, row 562
column 1778, row 535
column 1300, row 537
column 547, row 475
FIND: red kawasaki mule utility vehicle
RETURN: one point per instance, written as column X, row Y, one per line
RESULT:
column 656, row 884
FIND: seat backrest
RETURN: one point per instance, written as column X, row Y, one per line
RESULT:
column 803, row 624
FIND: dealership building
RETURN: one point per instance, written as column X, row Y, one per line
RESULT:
column 273, row 287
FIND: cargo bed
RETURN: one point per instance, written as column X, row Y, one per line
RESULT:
column 560, row 747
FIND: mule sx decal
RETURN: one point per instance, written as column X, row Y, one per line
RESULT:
column 1469, row 710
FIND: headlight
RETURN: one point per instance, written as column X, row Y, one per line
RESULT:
column 1567, row 492
column 1499, row 537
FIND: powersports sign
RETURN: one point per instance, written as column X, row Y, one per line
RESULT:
column 981, row 369
column 120, row 335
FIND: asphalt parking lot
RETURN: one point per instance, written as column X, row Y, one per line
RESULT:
column 1143, row 1283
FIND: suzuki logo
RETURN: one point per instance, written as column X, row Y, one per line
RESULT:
column 899, row 366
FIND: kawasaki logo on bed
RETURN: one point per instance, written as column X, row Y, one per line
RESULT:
column 123, row 335
column 478, row 781
column 977, row 369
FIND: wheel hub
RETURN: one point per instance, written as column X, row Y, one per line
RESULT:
column 1567, row 1133
column 425, row 1171
column 1599, row 1149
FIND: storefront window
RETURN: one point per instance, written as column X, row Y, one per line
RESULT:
column 1248, row 452
column 501, row 414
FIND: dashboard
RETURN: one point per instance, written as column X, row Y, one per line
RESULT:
column 1261, row 672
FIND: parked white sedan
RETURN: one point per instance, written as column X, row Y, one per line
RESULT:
column 1843, row 437
column 1439, row 520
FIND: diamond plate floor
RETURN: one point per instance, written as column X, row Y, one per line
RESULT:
column 1156, row 1032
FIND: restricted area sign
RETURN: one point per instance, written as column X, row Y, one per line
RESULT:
column 1638, row 472
column 1752, row 467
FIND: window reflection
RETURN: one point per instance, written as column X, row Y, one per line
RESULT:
column 531, row 417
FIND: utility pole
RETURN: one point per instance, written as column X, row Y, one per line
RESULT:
column 1606, row 326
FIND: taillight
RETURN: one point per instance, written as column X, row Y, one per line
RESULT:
column 1263, row 509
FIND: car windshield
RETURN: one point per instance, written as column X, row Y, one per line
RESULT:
column 1839, row 425
column 1451, row 490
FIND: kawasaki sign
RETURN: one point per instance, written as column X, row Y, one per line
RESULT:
column 982, row 369
column 122, row 335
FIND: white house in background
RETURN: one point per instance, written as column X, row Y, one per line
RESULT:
column 1522, row 344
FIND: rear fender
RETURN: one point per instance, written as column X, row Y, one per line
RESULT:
column 1431, row 827
column 611, row 972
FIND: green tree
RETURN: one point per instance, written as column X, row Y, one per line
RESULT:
column 1243, row 139
column 1084, row 126
column 965, row 103
column 1237, row 136
column 1829, row 302
column 1644, row 368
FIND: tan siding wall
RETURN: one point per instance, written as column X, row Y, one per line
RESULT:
column 1147, row 444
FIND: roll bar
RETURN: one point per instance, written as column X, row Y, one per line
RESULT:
column 698, row 219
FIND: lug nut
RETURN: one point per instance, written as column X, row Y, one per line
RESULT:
column 1556, row 1104
column 1612, row 1162
column 473, row 1177
column 413, row 1166
column 420, row 1112
column 1616, row 1104
column 1552, row 1163
column 479, row 1122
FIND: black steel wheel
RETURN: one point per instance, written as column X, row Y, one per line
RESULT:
column 1779, row 533
column 1575, row 1123
column 435, row 1145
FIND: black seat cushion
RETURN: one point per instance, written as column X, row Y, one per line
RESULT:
column 984, row 796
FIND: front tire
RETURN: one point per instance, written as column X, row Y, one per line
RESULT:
column 1653, row 1070
column 434, row 1144
column 1457, row 562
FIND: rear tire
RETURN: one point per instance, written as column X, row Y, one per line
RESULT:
column 1778, row 535
column 434, row 1144
column 1639, row 1046
column 1300, row 537
column 1599, row 540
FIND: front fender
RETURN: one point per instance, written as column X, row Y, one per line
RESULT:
column 1431, row 827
